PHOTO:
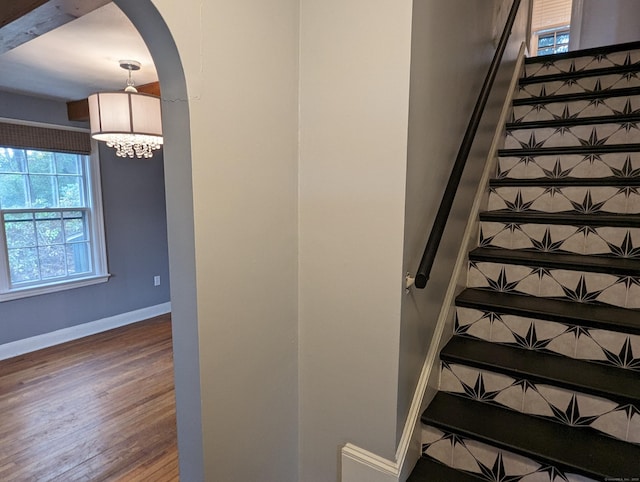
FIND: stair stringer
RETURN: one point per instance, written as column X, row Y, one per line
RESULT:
column 359, row 464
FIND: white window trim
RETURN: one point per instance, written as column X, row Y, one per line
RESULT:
column 99, row 250
column 19, row 293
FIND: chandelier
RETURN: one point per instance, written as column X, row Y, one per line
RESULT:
column 128, row 121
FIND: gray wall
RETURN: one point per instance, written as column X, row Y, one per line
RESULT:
column 607, row 22
column 444, row 88
column 34, row 109
column 180, row 229
column 136, row 236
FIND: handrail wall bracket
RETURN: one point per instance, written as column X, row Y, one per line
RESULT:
column 409, row 281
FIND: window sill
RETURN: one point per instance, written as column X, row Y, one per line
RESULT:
column 26, row 292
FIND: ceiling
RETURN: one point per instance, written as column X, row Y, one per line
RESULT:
column 78, row 58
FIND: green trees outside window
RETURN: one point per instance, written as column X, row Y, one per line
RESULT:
column 45, row 216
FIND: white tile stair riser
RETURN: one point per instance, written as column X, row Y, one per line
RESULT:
column 558, row 404
column 571, row 199
column 578, row 86
column 607, row 241
column 580, row 64
column 479, row 458
column 578, row 342
column 574, row 136
column 620, row 164
column 575, row 110
column 571, row 285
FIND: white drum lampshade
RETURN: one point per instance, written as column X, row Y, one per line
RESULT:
column 130, row 122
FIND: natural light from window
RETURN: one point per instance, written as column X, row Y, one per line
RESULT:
column 553, row 41
column 550, row 26
column 50, row 230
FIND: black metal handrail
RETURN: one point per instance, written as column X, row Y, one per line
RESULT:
column 428, row 258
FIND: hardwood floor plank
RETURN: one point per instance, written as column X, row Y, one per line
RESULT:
column 52, row 407
column 90, row 441
column 98, row 408
column 157, row 467
column 113, row 462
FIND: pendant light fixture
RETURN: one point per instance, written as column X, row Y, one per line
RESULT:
column 129, row 121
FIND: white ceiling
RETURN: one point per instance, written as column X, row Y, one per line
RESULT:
column 78, row 58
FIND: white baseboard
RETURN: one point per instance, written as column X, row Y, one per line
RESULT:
column 27, row 345
column 360, row 465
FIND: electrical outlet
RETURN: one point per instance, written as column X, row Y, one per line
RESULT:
column 156, row 281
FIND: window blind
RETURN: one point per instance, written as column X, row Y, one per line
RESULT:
column 550, row 13
column 44, row 138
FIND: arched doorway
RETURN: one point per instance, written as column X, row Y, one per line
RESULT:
column 178, row 187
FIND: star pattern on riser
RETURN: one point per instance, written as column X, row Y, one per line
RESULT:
column 561, row 284
column 567, row 199
column 487, row 462
column 581, row 64
column 618, row 165
column 553, row 403
column 557, row 111
column 595, row 85
column 574, row 136
column 621, row 350
column 602, row 241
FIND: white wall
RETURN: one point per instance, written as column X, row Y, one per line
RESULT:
column 606, row 23
column 240, row 60
column 354, row 97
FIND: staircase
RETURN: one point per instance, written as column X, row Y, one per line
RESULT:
column 541, row 380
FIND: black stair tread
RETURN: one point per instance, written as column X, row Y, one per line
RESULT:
column 565, row 150
column 578, row 262
column 566, row 181
column 570, row 219
column 428, row 470
column 605, row 317
column 615, row 384
column 571, row 449
column 577, row 121
column 579, row 74
column 576, row 96
column 592, row 51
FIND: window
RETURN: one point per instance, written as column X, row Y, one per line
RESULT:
column 553, row 41
column 51, row 227
column 550, row 24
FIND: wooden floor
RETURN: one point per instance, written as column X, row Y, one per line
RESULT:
column 96, row 409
